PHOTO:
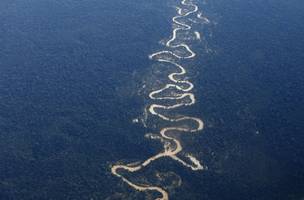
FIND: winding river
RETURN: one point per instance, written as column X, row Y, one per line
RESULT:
column 172, row 146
